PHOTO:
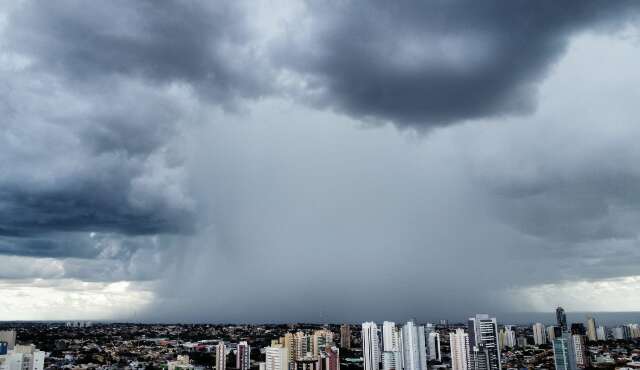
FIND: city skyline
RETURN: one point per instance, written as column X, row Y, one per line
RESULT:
column 331, row 161
column 389, row 333
column 480, row 344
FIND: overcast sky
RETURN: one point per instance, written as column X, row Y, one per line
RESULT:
column 318, row 161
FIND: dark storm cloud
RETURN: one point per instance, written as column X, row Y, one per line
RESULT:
column 106, row 173
column 97, row 162
column 201, row 43
column 48, row 245
column 95, row 100
column 94, row 257
column 93, row 116
column 94, row 203
column 431, row 63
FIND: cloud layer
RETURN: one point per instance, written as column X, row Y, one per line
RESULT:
column 219, row 153
column 433, row 63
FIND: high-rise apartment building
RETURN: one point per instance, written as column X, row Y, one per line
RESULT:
column 561, row 318
column 509, row 336
column 563, row 353
column 391, row 357
column 591, row 329
column 391, row 360
column 329, row 358
column 601, row 333
column 484, row 353
column 389, row 336
column 26, row 357
column 8, row 336
column 539, row 334
column 459, row 345
column 319, row 340
column 414, row 354
column 243, row 356
column 303, row 346
column 289, row 342
column 434, row 346
column 501, row 339
column 276, row 358
column 621, row 333
column 345, row 336
column 221, row 356
column 580, row 349
column 370, row 346
column 551, row 333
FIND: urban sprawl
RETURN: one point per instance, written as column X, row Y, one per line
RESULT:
column 480, row 344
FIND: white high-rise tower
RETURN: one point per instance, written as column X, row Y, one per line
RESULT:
column 414, row 354
column 390, row 346
column 221, row 356
column 539, row 334
column 276, row 358
column 370, row 346
column 459, row 343
column 389, row 336
column 243, row 356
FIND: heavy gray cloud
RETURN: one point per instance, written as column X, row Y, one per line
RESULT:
column 373, row 224
column 94, row 101
column 166, row 142
column 80, row 162
column 432, row 63
column 203, row 44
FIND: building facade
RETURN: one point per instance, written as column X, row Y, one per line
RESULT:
column 580, row 349
column 563, row 353
column 601, row 333
column 329, row 359
column 434, row 346
column 561, row 319
column 370, row 346
column 484, row 352
column 8, row 336
column 459, row 345
column 243, row 356
column 345, row 336
column 592, row 335
column 221, row 356
column 276, row 358
column 414, row 354
column 391, row 360
column 389, row 336
column 551, row 333
column 26, row 357
column 539, row 334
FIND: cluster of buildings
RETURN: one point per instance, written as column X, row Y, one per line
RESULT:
column 78, row 324
column 18, row 357
column 411, row 346
column 407, row 347
column 479, row 344
column 301, row 350
column 570, row 343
